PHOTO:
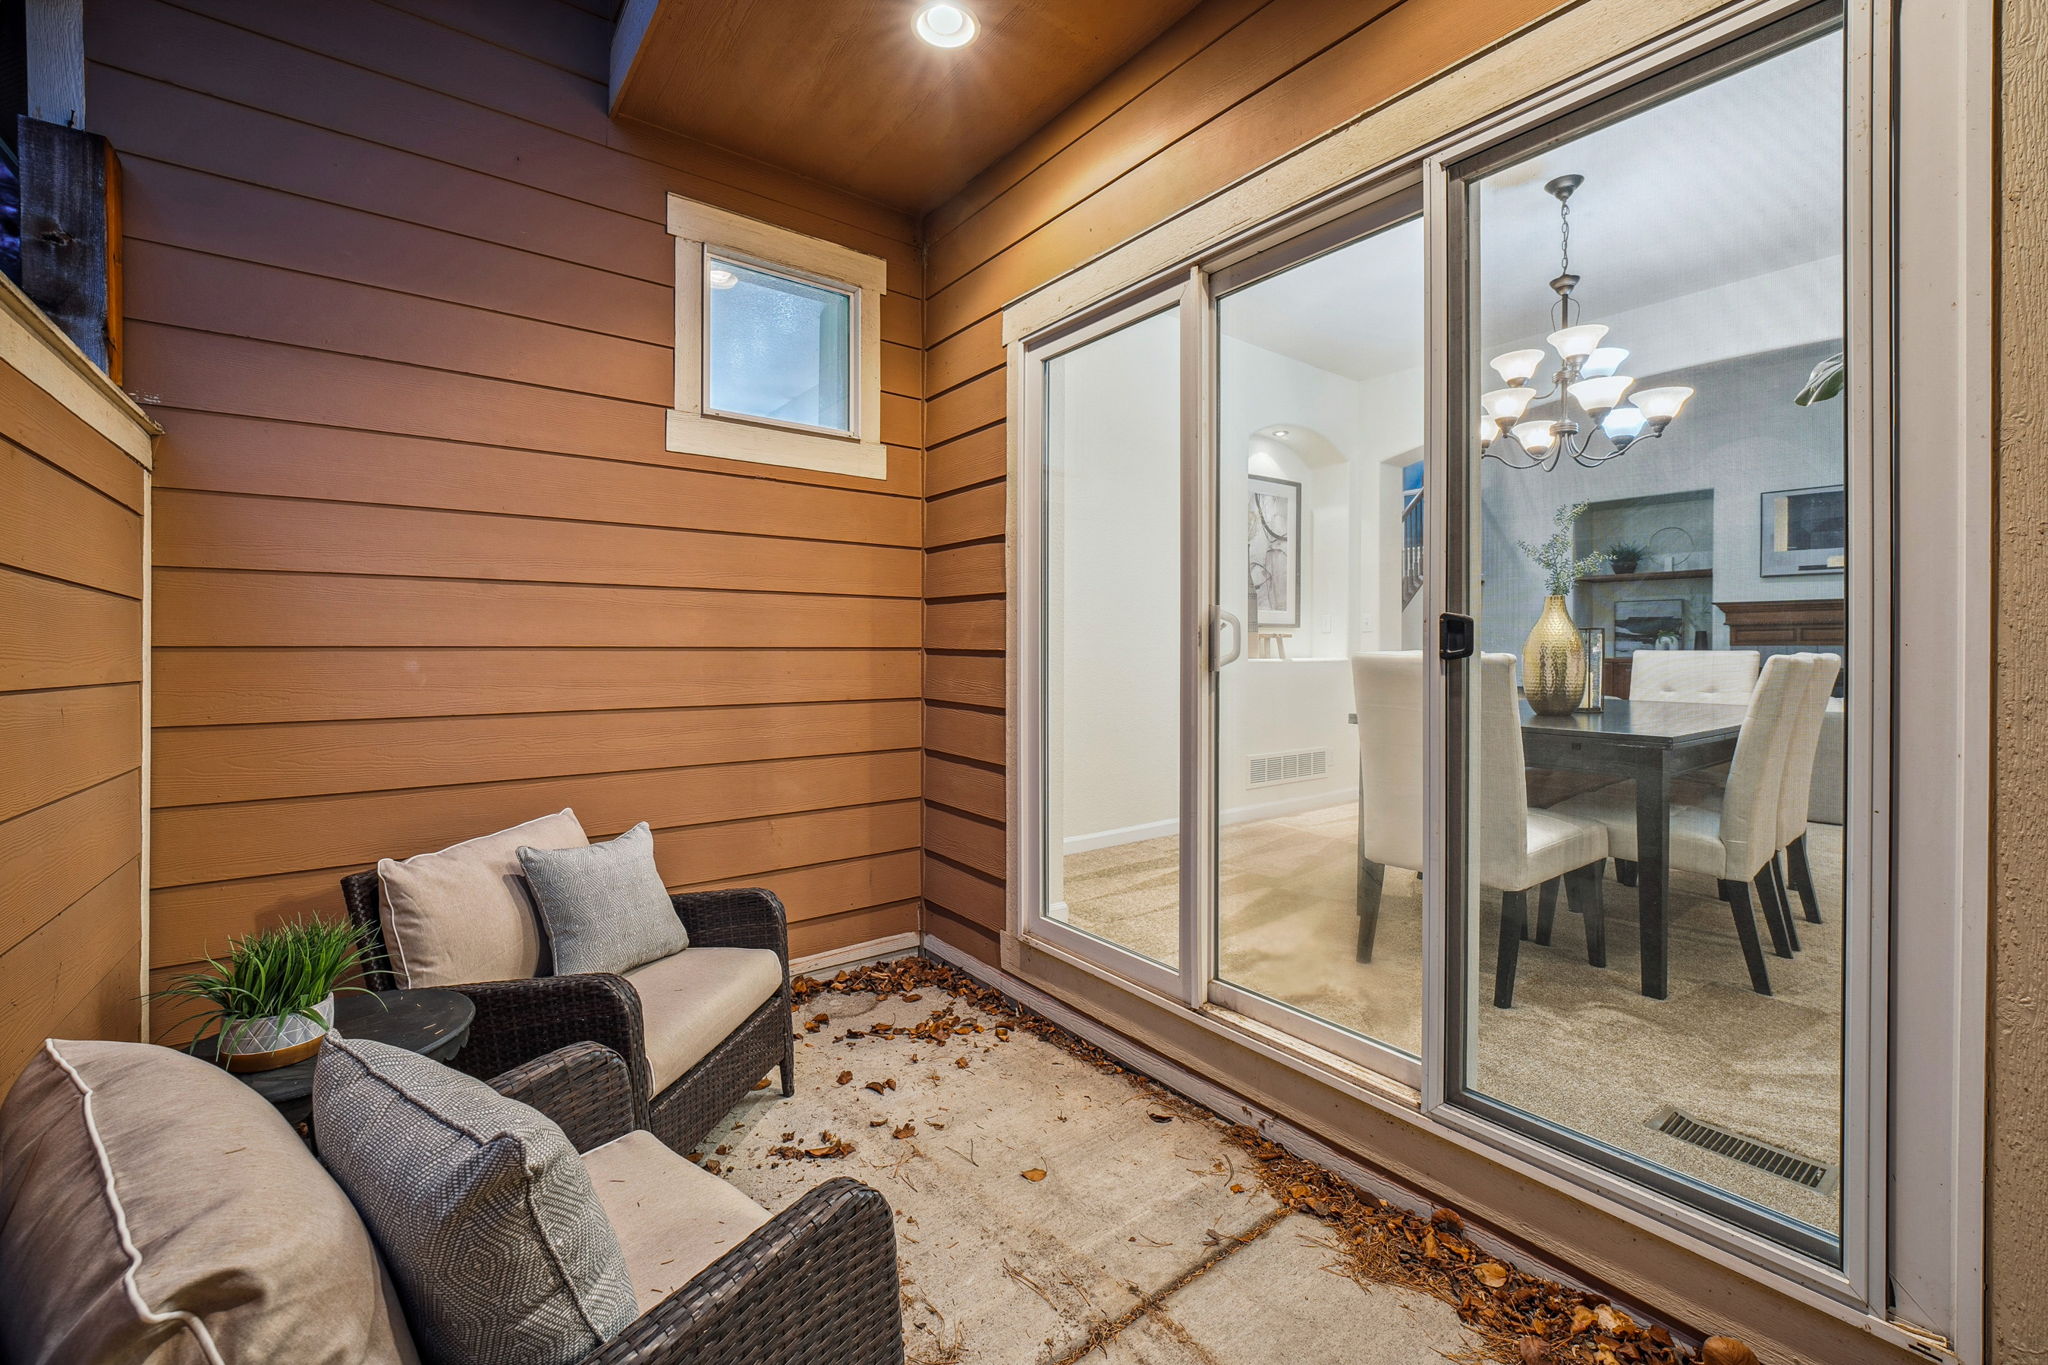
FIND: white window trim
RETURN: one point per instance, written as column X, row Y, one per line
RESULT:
column 1940, row 57
column 699, row 228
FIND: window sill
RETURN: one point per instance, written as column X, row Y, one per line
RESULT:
column 691, row 433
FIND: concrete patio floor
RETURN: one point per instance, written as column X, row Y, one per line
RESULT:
column 1146, row 1241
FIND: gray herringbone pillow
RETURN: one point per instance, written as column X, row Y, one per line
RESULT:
column 483, row 1210
column 604, row 906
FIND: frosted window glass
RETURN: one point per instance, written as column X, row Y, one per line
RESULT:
column 779, row 347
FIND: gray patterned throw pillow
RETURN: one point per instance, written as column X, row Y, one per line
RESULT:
column 486, row 1217
column 604, row 906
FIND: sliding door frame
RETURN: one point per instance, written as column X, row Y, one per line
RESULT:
column 1029, row 761
column 1843, row 1265
column 1364, row 212
column 1919, row 291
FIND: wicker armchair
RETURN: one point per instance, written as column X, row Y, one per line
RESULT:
column 817, row 1285
column 517, row 1021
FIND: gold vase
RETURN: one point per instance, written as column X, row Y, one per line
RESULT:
column 1554, row 662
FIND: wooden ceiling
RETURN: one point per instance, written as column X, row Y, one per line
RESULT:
column 845, row 92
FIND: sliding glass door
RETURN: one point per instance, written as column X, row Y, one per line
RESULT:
column 1109, row 481
column 1654, row 895
column 1451, row 617
column 1318, row 774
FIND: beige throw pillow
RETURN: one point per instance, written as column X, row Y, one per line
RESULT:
column 155, row 1209
column 463, row 914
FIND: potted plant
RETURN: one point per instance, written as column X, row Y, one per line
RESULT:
column 272, row 1002
column 1554, row 655
column 1624, row 556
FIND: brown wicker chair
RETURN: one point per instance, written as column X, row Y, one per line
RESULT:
column 517, row 1021
column 816, row 1286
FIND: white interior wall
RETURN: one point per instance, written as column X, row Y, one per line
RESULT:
column 1346, row 441
column 1113, row 566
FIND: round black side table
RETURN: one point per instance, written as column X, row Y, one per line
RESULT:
column 433, row 1022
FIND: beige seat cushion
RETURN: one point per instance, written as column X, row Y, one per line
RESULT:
column 689, row 1003
column 673, row 1218
column 463, row 914
column 153, row 1209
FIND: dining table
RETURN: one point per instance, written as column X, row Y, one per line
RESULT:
column 1650, row 743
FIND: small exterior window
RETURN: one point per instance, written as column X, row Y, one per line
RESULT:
column 778, row 345
column 778, row 348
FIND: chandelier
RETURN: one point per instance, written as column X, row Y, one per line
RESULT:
column 1586, row 371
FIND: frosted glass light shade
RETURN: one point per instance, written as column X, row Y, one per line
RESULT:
column 1506, row 405
column 1623, row 425
column 1515, row 367
column 1598, row 395
column 1661, row 405
column 1489, row 429
column 946, row 26
column 1604, row 361
column 1535, row 437
column 1576, row 343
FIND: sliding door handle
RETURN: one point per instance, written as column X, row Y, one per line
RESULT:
column 1216, row 624
column 1454, row 636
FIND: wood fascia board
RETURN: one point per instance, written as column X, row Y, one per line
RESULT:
column 629, row 40
column 38, row 348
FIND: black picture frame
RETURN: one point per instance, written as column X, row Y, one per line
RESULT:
column 1802, row 532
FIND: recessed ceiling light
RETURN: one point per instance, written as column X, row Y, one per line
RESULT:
column 946, row 26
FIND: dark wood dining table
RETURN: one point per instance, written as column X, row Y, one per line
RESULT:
column 1651, row 742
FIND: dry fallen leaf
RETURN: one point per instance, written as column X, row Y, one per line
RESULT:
column 1491, row 1275
column 1582, row 1318
column 875, row 1086
column 845, row 1076
column 908, row 1130
column 960, row 1062
column 761, row 1084
column 1034, row 1175
column 1534, row 1351
column 1160, row 1118
column 1725, row 1351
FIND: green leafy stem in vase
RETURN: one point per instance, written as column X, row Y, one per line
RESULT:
column 278, row 973
column 1554, row 555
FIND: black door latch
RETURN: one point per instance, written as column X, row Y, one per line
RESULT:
column 1454, row 636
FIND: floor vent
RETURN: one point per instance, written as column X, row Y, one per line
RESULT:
column 1747, row 1150
column 1299, row 766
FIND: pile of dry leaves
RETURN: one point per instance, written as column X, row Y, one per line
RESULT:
column 1523, row 1319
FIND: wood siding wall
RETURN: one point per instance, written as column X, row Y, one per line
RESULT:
column 72, row 535
column 1235, row 85
column 400, row 293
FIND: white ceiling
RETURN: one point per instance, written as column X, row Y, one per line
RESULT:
column 1737, row 179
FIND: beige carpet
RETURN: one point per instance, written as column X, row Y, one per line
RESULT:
column 1582, row 1047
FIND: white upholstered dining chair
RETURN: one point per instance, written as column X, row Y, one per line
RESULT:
column 1795, row 797
column 1726, row 676
column 1732, row 835
column 1520, row 848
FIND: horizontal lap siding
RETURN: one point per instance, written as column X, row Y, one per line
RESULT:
column 71, row 600
column 400, row 293
column 1233, row 86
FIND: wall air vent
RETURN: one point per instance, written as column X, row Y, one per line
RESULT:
column 1302, row 765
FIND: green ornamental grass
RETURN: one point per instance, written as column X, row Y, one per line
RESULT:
column 272, row 973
